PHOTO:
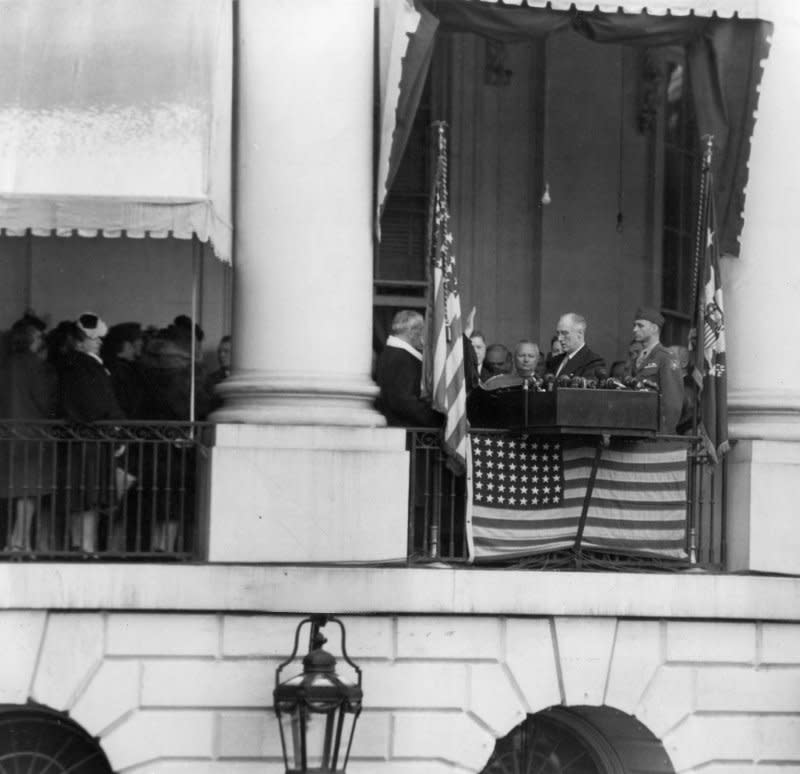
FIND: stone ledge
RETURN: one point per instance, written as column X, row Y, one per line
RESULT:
column 295, row 590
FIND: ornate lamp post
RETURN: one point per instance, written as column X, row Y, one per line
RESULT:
column 317, row 711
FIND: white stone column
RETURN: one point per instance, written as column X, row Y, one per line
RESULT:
column 302, row 468
column 302, row 326
column 762, row 296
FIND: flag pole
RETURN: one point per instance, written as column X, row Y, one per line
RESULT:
column 443, row 377
column 697, row 306
column 696, row 476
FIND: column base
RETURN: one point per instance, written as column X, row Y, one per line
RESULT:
column 764, row 415
column 762, row 507
column 307, row 494
column 298, row 399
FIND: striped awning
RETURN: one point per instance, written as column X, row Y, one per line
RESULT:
column 115, row 118
column 744, row 9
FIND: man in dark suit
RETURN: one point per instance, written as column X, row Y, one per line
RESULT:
column 576, row 358
column 657, row 367
column 399, row 373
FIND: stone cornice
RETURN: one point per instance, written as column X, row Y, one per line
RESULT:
column 393, row 590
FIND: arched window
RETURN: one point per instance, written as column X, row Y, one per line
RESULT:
column 579, row 740
column 36, row 740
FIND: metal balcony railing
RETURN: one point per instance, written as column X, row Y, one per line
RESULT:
column 106, row 490
column 437, row 529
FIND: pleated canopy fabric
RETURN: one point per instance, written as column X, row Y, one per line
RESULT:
column 745, row 9
column 115, row 118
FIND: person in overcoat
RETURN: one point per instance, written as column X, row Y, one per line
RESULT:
column 399, row 373
column 27, row 396
column 86, row 395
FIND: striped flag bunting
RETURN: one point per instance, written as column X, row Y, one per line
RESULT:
column 443, row 361
column 526, row 496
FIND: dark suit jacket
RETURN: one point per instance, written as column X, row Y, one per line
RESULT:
column 398, row 376
column 585, row 363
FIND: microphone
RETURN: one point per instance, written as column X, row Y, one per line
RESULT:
column 648, row 384
column 563, row 381
column 615, row 384
column 549, row 382
column 601, row 374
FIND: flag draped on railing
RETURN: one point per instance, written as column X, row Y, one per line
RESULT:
column 708, row 340
column 528, row 493
column 443, row 362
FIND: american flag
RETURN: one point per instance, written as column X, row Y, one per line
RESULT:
column 710, row 366
column 527, row 494
column 443, row 363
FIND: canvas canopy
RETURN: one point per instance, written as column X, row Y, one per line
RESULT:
column 115, row 118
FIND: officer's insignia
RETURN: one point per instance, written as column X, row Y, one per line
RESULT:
column 714, row 322
column 673, row 364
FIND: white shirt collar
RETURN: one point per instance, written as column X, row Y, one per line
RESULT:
column 398, row 343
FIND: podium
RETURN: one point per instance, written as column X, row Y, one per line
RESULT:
column 566, row 410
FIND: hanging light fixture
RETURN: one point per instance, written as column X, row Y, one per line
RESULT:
column 317, row 710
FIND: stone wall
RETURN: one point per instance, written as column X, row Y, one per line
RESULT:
column 179, row 693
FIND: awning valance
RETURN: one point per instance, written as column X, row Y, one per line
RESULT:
column 115, row 117
column 744, row 9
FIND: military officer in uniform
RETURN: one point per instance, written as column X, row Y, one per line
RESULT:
column 657, row 366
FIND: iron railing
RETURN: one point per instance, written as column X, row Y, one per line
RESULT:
column 106, row 490
column 437, row 511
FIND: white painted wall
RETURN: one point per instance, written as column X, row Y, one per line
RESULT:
column 172, row 692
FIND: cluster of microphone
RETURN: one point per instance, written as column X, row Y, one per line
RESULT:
column 601, row 381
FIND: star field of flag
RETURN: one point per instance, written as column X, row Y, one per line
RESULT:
column 517, row 473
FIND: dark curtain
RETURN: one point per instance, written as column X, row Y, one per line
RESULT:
column 724, row 61
column 416, row 64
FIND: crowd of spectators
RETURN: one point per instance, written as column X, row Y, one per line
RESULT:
column 83, row 371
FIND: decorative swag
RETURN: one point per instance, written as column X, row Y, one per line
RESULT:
column 724, row 65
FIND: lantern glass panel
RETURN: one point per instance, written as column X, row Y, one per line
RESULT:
column 320, row 741
column 325, row 749
column 348, row 726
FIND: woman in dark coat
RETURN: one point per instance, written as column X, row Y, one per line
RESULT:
column 86, row 395
column 170, row 471
column 27, row 392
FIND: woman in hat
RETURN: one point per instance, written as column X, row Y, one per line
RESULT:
column 86, row 395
